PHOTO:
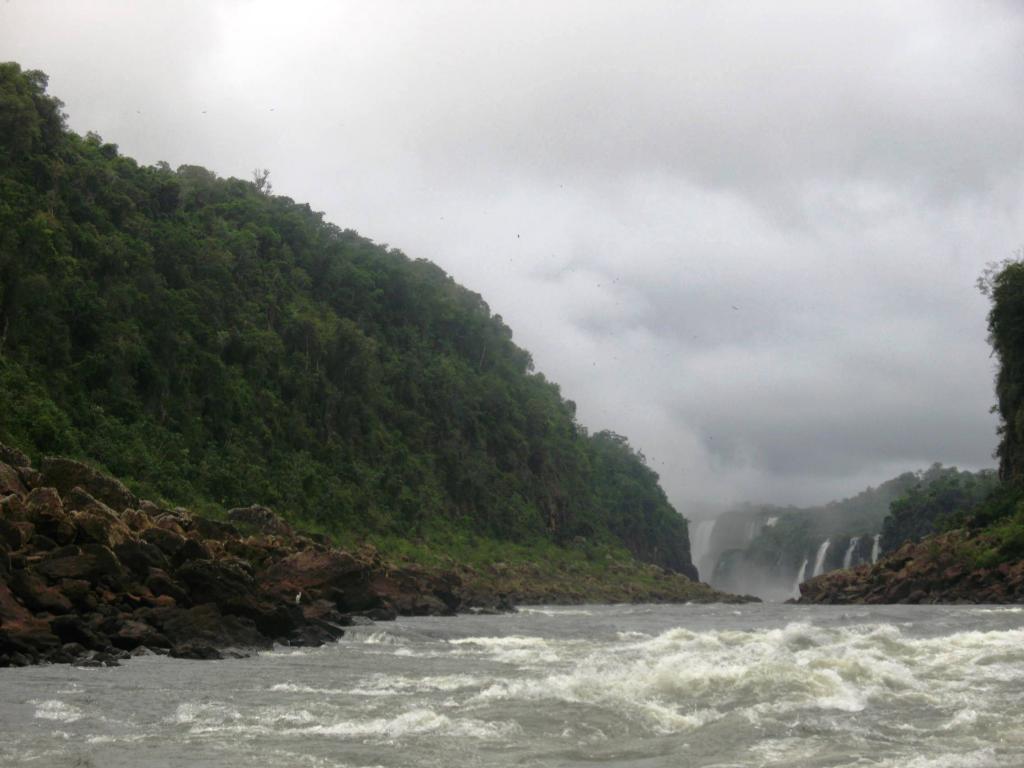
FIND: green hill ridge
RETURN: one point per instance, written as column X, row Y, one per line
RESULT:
column 215, row 345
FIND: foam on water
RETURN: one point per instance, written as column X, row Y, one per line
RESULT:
column 54, row 709
column 659, row 687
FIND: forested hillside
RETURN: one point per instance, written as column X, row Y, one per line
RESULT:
column 217, row 345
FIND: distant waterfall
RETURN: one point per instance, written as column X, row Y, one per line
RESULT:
column 848, row 557
column 819, row 560
column 799, row 579
column 700, row 547
column 875, row 548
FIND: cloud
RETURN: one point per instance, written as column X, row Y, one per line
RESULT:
column 744, row 235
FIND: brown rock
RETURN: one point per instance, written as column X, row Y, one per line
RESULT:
column 36, row 595
column 261, row 518
column 15, row 536
column 311, row 572
column 136, row 520
column 10, row 481
column 141, row 556
column 167, row 541
column 13, row 456
column 13, row 508
column 99, row 525
column 160, row 584
column 44, row 508
column 96, row 564
column 65, row 474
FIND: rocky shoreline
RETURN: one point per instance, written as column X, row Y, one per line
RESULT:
column 939, row 569
column 91, row 574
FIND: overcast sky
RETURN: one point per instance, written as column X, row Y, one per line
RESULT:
column 746, row 235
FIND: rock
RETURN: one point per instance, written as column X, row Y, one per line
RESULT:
column 13, row 456
column 137, row 521
column 167, row 541
column 170, row 523
column 130, row 634
column 10, row 481
column 32, row 478
column 65, row 474
column 196, row 651
column 44, row 509
column 79, row 593
column 20, row 631
column 73, row 629
column 192, row 549
column 222, row 581
column 33, row 591
column 13, row 535
column 214, row 529
column 159, row 583
column 141, row 556
column 96, row 564
column 99, row 525
column 41, row 543
column 311, row 573
column 13, row 508
column 206, row 625
column 261, row 518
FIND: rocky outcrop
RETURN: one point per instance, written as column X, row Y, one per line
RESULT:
column 939, row 569
column 89, row 573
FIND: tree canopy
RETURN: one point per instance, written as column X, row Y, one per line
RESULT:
column 219, row 345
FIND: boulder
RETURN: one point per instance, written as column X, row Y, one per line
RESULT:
column 167, row 541
column 130, row 634
column 98, row 524
column 21, row 632
column 204, row 625
column 34, row 592
column 192, row 549
column 96, row 564
column 141, row 556
column 223, row 582
column 44, row 509
column 65, row 474
column 10, row 481
column 136, row 520
column 261, row 518
column 13, row 508
column 196, row 652
column 73, row 629
column 312, row 573
column 79, row 593
column 160, row 584
column 15, row 536
column 214, row 529
column 13, row 456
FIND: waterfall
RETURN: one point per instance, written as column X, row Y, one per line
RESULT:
column 700, row 547
column 819, row 560
column 848, row 557
column 799, row 579
column 875, row 548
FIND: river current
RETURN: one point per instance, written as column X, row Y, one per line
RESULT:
column 681, row 686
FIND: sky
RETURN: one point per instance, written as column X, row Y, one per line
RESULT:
column 745, row 235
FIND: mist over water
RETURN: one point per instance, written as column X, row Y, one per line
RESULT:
column 695, row 686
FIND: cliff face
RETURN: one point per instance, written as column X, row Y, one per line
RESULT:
column 218, row 346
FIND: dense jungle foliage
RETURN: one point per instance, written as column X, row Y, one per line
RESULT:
column 217, row 345
column 938, row 502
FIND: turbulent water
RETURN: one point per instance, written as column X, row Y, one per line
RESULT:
column 680, row 686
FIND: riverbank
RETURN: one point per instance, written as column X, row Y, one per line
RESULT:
column 944, row 568
column 90, row 574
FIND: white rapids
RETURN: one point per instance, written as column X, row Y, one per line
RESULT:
column 696, row 686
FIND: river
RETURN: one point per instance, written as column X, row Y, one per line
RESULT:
column 679, row 686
